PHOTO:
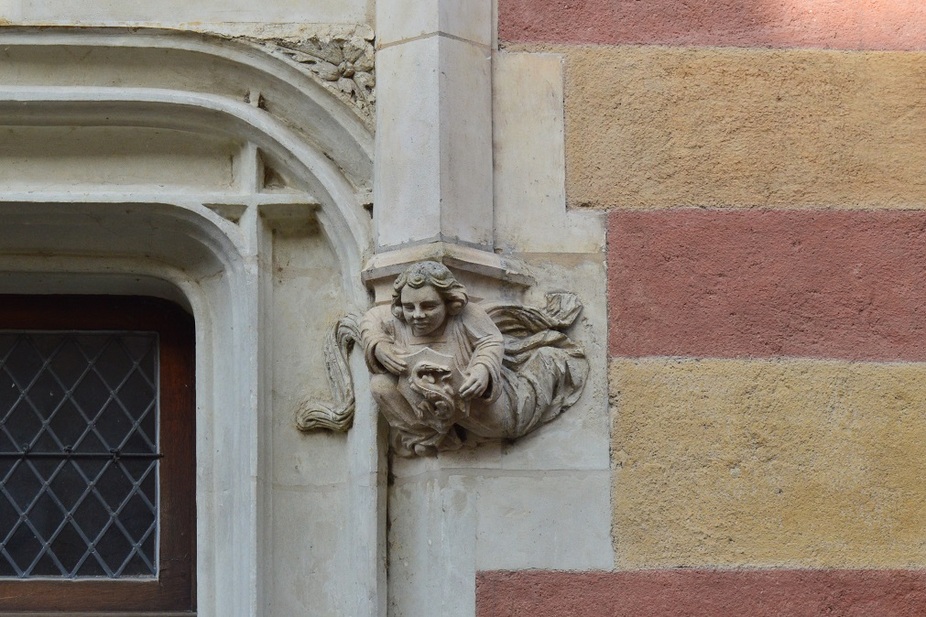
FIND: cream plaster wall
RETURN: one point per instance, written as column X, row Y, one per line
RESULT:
column 182, row 13
column 663, row 127
column 766, row 463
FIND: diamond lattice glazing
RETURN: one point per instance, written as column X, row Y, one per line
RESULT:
column 78, row 454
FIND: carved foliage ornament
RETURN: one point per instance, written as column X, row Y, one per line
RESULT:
column 343, row 62
column 446, row 373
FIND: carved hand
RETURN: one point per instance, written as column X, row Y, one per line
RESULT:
column 477, row 380
column 387, row 356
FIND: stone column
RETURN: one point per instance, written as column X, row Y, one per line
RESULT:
column 433, row 186
column 543, row 501
column 433, row 163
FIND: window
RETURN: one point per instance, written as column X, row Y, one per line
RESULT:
column 96, row 455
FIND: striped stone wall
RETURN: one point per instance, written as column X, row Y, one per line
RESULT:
column 764, row 165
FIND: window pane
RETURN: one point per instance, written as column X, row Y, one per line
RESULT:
column 78, row 454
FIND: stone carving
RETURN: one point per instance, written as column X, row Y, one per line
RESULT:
column 342, row 62
column 446, row 372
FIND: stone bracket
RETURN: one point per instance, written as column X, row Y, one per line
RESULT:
column 473, row 264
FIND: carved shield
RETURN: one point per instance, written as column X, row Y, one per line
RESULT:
column 432, row 388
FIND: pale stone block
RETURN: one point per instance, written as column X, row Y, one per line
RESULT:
column 557, row 521
column 431, row 546
column 769, row 463
column 367, row 465
column 577, row 439
column 530, row 190
column 32, row 65
column 446, row 526
column 173, row 12
column 306, row 299
column 397, row 20
column 434, row 143
column 348, row 571
column 310, row 541
column 112, row 159
column 486, row 456
column 466, row 136
column 406, row 193
column 10, row 11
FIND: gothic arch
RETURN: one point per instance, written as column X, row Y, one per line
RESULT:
column 154, row 162
column 193, row 83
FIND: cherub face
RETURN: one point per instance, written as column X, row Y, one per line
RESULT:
column 423, row 308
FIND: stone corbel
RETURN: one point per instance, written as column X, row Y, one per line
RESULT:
column 485, row 274
column 448, row 372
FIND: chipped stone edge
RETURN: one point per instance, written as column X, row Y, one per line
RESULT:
column 311, row 48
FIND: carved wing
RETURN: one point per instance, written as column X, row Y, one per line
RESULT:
column 517, row 320
column 338, row 417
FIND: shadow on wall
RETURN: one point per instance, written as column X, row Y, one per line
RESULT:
column 828, row 24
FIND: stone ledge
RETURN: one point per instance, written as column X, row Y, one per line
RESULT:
column 472, row 263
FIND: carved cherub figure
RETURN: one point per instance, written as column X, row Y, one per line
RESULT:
column 439, row 366
column 446, row 372
column 430, row 310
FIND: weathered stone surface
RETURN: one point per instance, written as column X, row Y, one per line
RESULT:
column 823, row 284
column 115, row 158
column 176, row 12
column 706, row 593
column 344, row 63
column 553, row 518
column 446, row 524
column 447, row 372
column 874, row 24
column 541, row 501
column 652, row 127
column 768, row 463
column 433, row 143
column 529, row 159
column 400, row 20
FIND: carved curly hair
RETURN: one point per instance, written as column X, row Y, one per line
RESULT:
column 438, row 276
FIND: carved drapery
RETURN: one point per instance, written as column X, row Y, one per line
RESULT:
column 525, row 368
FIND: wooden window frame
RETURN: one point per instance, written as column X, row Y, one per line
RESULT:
column 172, row 592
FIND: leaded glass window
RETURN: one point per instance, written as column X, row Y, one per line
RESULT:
column 97, row 456
column 78, row 454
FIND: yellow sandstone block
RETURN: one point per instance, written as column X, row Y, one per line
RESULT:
column 795, row 463
column 653, row 127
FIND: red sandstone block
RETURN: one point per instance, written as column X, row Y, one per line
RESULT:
column 829, row 24
column 735, row 284
column 703, row 593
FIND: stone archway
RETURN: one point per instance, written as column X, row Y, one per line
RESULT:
column 165, row 163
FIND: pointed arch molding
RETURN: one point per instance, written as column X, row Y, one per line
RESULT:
column 203, row 246
column 201, row 84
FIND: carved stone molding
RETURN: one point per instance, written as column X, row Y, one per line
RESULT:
column 482, row 271
column 448, row 373
column 343, row 62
